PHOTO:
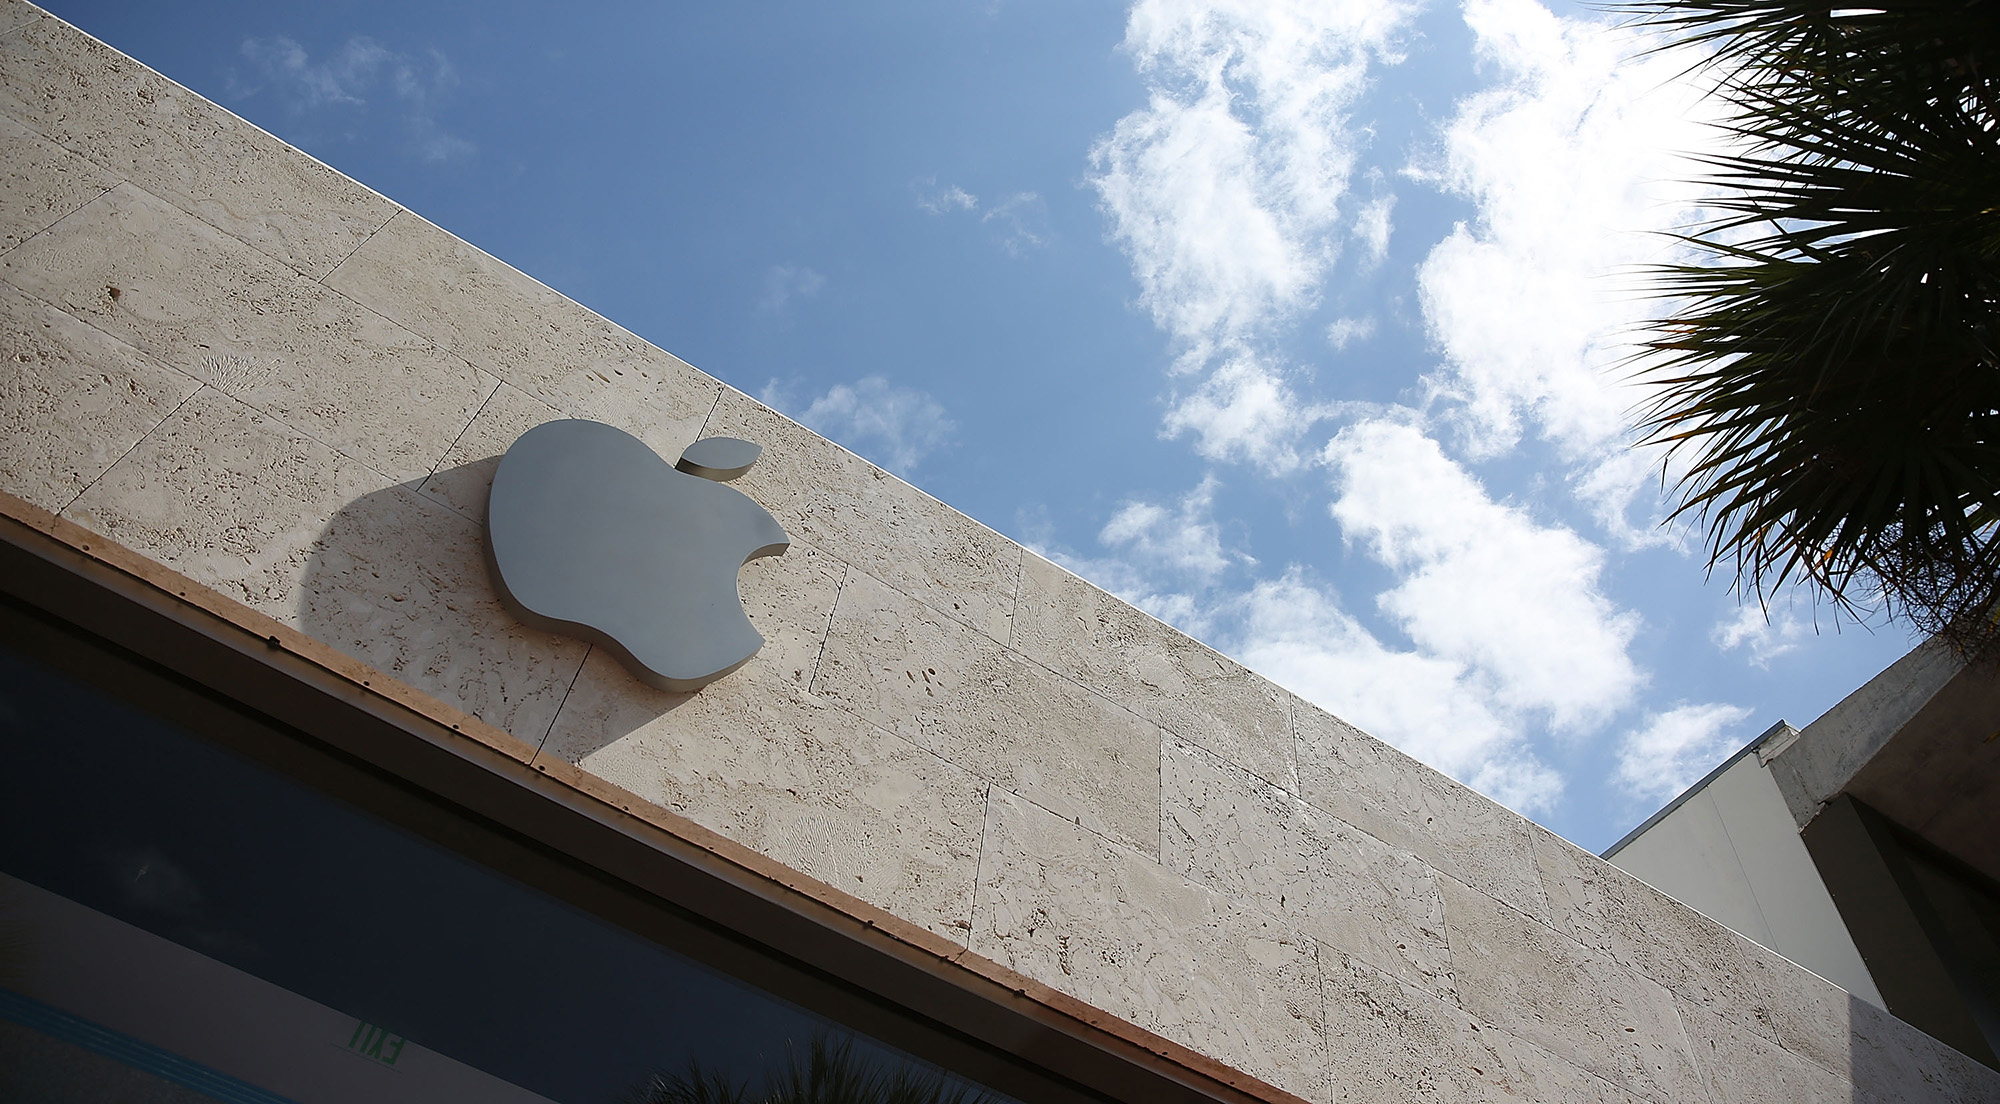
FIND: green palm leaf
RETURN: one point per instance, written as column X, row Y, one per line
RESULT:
column 1829, row 373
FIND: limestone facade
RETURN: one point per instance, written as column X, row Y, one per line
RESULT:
column 238, row 363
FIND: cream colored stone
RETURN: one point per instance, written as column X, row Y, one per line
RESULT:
column 1156, row 671
column 86, row 97
column 239, row 502
column 1891, row 1062
column 1742, row 1068
column 1603, row 907
column 1407, row 805
column 255, row 330
column 1728, row 978
column 1391, row 1044
column 1112, row 928
column 15, row 14
column 72, row 401
column 41, row 182
column 908, row 668
column 869, row 518
column 1241, row 836
column 464, row 477
column 761, row 761
column 527, row 334
column 1579, row 1004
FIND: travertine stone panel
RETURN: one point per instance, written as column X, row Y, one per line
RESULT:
column 1891, row 1062
column 1405, row 804
column 464, row 477
column 72, row 401
column 1185, row 687
column 15, row 14
column 880, row 524
column 91, row 99
column 908, row 668
column 1742, row 1068
column 1239, row 835
column 1728, row 978
column 761, row 761
column 178, row 289
column 229, row 497
column 1112, row 928
column 527, row 334
column 240, row 502
column 1530, row 981
column 41, row 182
column 1388, row 1043
column 1603, row 907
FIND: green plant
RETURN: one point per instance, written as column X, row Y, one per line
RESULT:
column 1830, row 376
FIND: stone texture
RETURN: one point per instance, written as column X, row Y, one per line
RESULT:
column 88, row 98
column 72, row 401
column 1742, row 1068
column 824, row 494
column 1407, row 805
column 238, row 501
column 527, row 334
column 1165, row 676
column 465, row 476
column 1390, row 1044
column 1728, row 978
column 1530, row 981
column 1241, row 836
column 41, row 182
column 1606, row 909
column 1891, row 1062
column 908, row 668
column 176, row 288
column 756, row 758
column 15, row 14
column 1110, row 927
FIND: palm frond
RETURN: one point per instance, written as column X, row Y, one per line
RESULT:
column 1829, row 372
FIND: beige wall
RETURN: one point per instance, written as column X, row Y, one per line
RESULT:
column 1730, row 849
column 247, row 367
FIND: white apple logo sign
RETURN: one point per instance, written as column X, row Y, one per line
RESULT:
column 591, row 533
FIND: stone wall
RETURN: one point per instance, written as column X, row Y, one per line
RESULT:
column 225, row 356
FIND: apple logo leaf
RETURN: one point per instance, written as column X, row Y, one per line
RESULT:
column 592, row 534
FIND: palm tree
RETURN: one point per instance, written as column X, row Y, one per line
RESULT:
column 828, row 1073
column 1829, row 372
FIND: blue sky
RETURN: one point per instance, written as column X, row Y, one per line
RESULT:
column 1294, row 323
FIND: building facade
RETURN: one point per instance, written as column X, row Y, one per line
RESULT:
column 297, row 807
column 1861, row 847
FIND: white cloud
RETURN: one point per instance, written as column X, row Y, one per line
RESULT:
column 1245, row 410
column 1184, row 540
column 1372, row 227
column 896, row 426
column 1022, row 219
column 785, row 282
column 1346, row 331
column 1432, row 707
column 1676, row 748
column 351, row 77
column 1482, row 584
column 940, row 201
column 1572, row 157
column 1765, row 634
column 1226, row 190
column 1165, row 559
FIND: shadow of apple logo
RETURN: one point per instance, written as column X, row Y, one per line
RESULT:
column 590, row 533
